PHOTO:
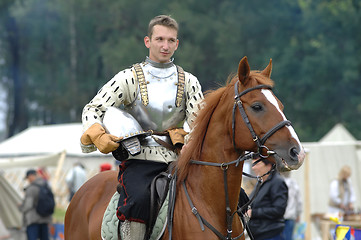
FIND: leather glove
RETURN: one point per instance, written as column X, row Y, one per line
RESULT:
column 177, row 135
column 96, row 135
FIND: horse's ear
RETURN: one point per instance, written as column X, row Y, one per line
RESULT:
column 243, row 70
column 268, row 70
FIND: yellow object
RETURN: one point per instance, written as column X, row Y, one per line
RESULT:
column 341, row 232
column 177, row 135
column 335, row 219
column 96, row 135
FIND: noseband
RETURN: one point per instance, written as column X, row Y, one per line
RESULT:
column 259, row 141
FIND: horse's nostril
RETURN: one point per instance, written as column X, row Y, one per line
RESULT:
column 293, row 152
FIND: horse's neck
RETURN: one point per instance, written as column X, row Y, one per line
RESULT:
column 218, row 147
column 207, row 183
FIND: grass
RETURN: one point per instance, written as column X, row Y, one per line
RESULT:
column 59, row 215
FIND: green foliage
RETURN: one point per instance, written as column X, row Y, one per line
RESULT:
column 69, row 49
column 59, row 215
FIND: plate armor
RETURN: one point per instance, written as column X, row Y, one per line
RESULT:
column 158, row 96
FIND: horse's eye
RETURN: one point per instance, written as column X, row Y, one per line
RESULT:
column 257, row 107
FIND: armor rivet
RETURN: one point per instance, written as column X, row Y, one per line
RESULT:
column 126, row 135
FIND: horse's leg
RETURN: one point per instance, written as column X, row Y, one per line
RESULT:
column 85, row 212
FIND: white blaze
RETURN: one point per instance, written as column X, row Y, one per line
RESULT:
column 271, row 98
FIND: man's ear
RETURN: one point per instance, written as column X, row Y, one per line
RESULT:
column 177, row 44
column 147, row 41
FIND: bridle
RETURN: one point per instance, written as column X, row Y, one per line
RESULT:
column 224, row 166
column 259, row 141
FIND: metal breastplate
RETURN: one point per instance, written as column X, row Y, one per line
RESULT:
column 159, row 104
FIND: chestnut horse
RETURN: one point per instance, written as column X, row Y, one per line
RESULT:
column 241, row 120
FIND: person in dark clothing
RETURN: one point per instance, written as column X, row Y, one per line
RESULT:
column 267, row 209
column 36, row 225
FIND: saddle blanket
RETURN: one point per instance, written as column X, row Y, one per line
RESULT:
column 109, row 228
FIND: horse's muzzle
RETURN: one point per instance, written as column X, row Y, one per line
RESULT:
column 291, row 161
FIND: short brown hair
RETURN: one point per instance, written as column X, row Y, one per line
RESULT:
column 163, row 20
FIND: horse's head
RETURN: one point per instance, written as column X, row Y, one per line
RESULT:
column 259, row 110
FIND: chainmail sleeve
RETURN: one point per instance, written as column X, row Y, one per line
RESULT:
column 121, row 89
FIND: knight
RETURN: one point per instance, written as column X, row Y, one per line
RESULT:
column 155, row 98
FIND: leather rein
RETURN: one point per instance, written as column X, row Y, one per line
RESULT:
column 247, row 156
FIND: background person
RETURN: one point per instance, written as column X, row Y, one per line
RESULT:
column 342, row 196
column 75, row 178
column 43, row 172
column 105, row 167
column 294, row 205
column 267, row 210
column 36, row 225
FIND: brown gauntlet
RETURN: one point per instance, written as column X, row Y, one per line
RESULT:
column 96, row 135
column 177, row 136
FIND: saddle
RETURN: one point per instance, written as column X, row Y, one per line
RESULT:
column 158, row 210
column 158, row 193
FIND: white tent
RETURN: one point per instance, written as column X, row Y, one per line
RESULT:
column 44, row 140
column 9, row 200
column 56, row 147
column 4, row 233
column 324, row 160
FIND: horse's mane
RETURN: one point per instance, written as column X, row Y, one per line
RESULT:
column 209, row 104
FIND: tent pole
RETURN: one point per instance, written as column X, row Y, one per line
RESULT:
column 307, row 198
column 58, row 168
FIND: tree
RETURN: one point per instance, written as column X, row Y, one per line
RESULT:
column 59, row 53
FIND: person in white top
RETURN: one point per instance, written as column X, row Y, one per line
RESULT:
column 294, row 205
column 342, row 195
column 75, row 178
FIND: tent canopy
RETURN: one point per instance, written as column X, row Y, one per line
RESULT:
column 48, row 139
column 338, row 134
column 31, row 161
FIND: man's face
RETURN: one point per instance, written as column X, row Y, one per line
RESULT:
column 163, row 43
column 260, row 168
column 31, row 178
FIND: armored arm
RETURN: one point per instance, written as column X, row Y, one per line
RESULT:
column 121, row 89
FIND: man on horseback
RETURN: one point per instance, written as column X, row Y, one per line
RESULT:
column 160, row 96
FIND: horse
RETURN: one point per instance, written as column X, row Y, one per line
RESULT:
column 237, row 122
